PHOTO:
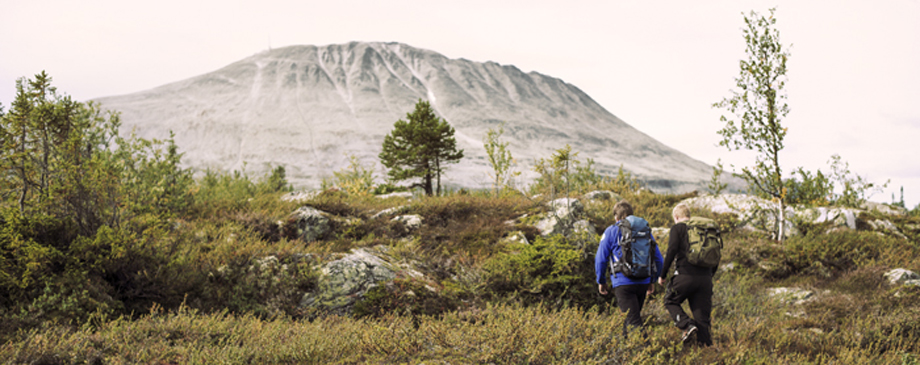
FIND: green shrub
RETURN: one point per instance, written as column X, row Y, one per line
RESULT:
column 356, row 179
column 808, row 189
column 552, row 270
column 267, row 287
column 564, row 175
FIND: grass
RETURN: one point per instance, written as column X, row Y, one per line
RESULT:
column 748, row 329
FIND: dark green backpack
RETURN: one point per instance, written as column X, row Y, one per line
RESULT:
column 705, row 242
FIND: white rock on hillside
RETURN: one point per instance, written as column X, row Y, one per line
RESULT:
column 759, row 214
column 389, row 211
column 900, row 276
column 563, row 215
column 412, row 221
column 398, row 194
column 753, row 212
column 793, row 296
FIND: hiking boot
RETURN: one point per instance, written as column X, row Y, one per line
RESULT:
column 688, row 333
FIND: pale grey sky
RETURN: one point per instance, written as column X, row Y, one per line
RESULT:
column 854, row 73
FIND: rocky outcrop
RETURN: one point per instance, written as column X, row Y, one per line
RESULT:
column 389, row 211
column 565, row 216
column 884, row 209
column 902, row 277
column 758, row 214
column 412, row 221
column 310, row 223
column 344, row 281
column 753, row 213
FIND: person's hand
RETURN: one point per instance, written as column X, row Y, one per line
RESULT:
column 661, row 281
column 601, row 289
column 651, row 289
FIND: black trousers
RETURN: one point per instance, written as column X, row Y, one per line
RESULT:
column 630, row 299
column 697, row 291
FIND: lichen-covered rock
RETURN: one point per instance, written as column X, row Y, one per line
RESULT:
column 412, row 221
column 839, row 217
column 567, row 207
column 342, row 282
column 884, row 225
column 310, row 223
column 901, row 276
column 884, row 209
column 561, row 218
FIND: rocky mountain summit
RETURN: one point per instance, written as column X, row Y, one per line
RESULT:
column 307, row 107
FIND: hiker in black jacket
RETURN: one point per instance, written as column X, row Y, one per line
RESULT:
column 690, row 282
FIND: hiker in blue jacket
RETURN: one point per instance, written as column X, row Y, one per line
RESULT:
column 630, row 292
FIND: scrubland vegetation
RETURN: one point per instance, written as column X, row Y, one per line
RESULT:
column 114, row 254
column 160, row 300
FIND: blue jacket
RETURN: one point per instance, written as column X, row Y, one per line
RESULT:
column 610, row 245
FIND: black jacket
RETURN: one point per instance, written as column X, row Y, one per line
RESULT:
column 678, row 245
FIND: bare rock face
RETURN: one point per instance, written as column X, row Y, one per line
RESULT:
column 307, row 107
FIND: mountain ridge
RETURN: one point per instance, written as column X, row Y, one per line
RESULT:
column 308, row 107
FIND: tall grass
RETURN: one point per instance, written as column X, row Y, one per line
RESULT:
column 747, row 331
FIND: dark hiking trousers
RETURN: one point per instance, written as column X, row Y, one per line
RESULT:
column 697, row 291
column 630, row 299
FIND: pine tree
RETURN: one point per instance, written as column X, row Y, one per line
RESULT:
column 420, row 148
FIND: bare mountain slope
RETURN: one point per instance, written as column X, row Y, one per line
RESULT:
column 306, row 107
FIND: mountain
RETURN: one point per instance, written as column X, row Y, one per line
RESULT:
column 308, row 107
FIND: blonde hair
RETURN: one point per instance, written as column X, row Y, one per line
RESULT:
column 681, row 211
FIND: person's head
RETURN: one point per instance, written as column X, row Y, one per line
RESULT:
column 622, row 209
column 681, row 213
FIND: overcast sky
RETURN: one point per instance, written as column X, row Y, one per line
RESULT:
column 854, row 71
